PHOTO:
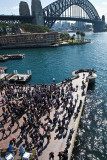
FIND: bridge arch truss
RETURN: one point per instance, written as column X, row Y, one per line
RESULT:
column 57, row 8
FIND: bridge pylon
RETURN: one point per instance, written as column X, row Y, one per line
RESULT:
column 37, row 12
column 98, row 26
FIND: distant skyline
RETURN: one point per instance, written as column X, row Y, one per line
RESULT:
column 11, row 7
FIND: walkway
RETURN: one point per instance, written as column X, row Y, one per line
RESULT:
column 59, row 144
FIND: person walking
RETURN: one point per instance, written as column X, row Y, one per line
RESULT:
column 48, row 137
column 51, row 155
column 36, row 155
column 4, row 133
column 60, row 155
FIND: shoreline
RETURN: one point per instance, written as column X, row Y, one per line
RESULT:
column 45, row 45
column 75, row 43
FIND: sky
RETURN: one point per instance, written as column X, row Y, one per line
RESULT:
column 11, row 7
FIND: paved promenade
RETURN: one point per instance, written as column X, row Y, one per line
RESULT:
column 61, row 120
column 58, row 143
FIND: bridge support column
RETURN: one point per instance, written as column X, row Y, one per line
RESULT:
column 37, row 12
column 98, row 26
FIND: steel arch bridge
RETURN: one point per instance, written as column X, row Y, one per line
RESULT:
column 54, row 11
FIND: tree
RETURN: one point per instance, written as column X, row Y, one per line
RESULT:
column 34, row 28
column 26, row 27
column 1, row 31
column 4, row 30
column 14, row 29
column 64, row 36
column 78, row 33
column 72, row 37
column 67, row 36
column 82, row 35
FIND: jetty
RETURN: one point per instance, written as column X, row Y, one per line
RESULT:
column 58, row 121
column 58, row 143
column 19, row 78
column 15, row 78
column 6, row 57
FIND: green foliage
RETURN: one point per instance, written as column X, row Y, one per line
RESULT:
column 64, row 36
column 26, row 27
column 82, row 35
column 78, row 33
column 72, row 37
column 34, row 28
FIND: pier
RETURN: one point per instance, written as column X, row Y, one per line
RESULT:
column 58, row 143
column 15, row 78
column 60, row 119
column 19, row 78
column 6, row 57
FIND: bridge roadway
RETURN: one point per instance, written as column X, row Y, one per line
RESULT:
column 16, row 18
column 50, row 20
column 29, row 19
column 57, row 142
column 83, row 19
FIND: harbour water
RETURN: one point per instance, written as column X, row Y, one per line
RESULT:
column 58, row 63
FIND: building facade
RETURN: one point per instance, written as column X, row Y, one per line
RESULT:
column 29, row 40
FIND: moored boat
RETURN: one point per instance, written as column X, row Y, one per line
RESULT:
column 14, row 56
column 6, row 57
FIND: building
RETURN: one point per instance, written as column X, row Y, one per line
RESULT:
column 80, row 25
column 29, row 40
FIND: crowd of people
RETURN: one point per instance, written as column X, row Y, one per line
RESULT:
column 24, row 106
